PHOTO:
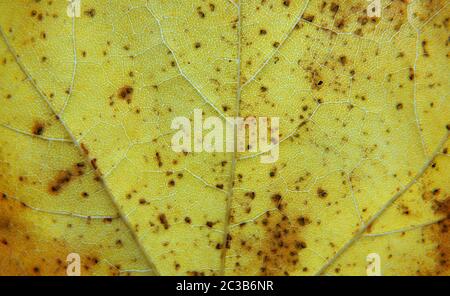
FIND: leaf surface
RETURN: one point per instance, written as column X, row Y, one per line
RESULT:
column 86, row 110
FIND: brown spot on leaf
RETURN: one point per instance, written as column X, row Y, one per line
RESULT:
column 441, row 234
column 84, row 148
column 163, row 221
column 38, row 129
column 322, row 193
column 94, row 163
column 334, row 8
column 126, row 93
column 158, row 159
column 308, row 17
column 90, row 12
column 63, row 178
column 279, row 251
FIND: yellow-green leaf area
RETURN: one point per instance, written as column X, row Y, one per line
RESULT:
column 86, row 163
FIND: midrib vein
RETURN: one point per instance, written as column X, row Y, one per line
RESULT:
column 230, row 188
column 77, row 144
column 240, row 86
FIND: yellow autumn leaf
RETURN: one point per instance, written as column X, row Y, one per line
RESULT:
column 89, row 91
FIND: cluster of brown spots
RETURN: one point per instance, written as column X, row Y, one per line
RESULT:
column 315, row 78
column 17, row 244
column 200, row 12
column 26, row 250
column 125, row 93
column 37, row 15
column 279, row 252
column 38, row 129
column 64, row 177
column 442, row 236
